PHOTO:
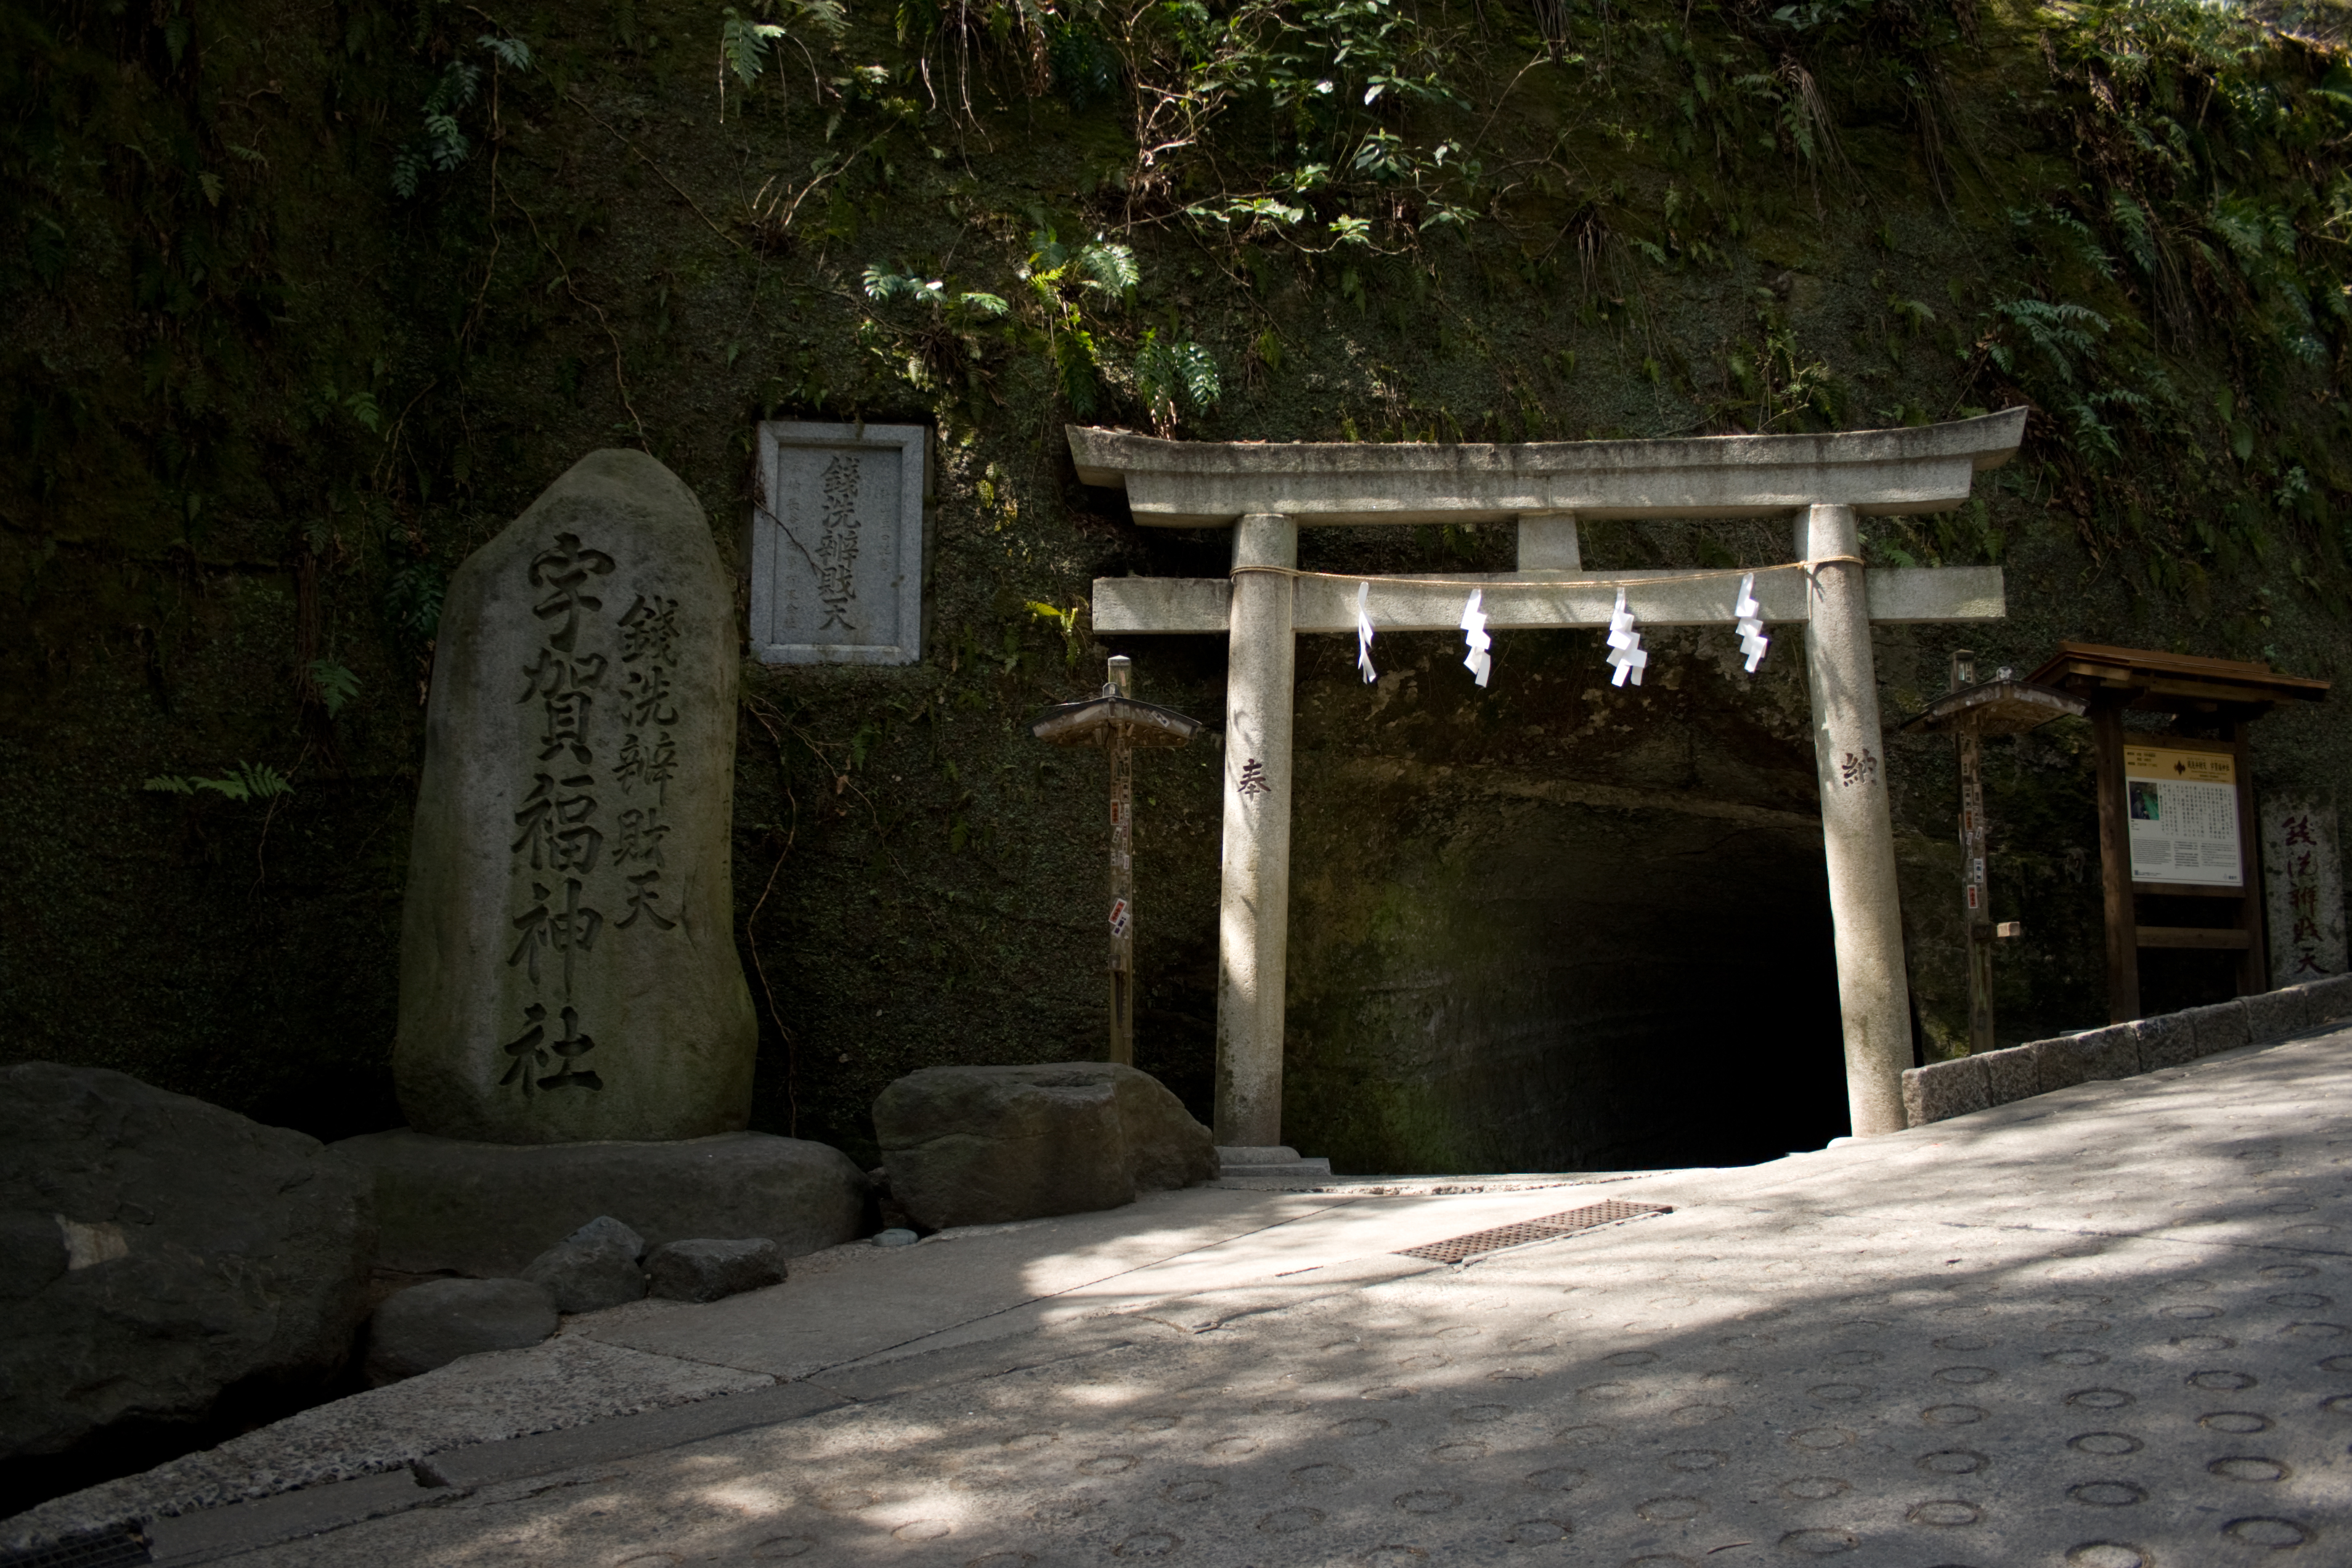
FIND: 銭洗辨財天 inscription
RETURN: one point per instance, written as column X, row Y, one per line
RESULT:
column 567, row 969
column 838, row 544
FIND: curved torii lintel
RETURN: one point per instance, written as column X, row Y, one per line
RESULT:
column 1207, row 483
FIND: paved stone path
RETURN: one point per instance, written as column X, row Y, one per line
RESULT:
column 2105, row 1328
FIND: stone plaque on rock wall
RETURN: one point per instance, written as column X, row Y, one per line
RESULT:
column 567, row 965
column 838, row 544
column 2303, row 888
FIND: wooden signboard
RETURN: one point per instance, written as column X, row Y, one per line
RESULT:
column 2175, row 805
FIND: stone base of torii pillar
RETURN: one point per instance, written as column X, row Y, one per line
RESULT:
column 1266, row 492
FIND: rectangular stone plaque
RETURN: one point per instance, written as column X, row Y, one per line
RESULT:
column 2303, row 887
column 838, row 544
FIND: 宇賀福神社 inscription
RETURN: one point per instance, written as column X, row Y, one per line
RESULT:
column 567, row 969
column 838, row 544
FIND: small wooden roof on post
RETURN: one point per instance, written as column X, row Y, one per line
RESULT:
column 1099, row 720
column 2199, row 689
column 1994, row 707
column 2225, row 695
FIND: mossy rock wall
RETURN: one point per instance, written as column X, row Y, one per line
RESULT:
column 303, row 305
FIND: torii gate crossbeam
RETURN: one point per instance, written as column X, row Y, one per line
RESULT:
column 1266, row 492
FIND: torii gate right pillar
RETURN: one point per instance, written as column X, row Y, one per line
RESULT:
column 1857, row 828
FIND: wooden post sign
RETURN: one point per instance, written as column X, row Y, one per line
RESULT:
column 1971, row 711
column 2175, row 805
column 1119, row 724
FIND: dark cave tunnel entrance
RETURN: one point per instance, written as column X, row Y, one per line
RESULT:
column 1586, row 989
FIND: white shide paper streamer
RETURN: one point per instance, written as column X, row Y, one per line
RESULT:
column 1478, row 661
column 1364, row 632
column 1752, row 641
column 1626, row 654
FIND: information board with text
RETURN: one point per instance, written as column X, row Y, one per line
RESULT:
column 2183, row 810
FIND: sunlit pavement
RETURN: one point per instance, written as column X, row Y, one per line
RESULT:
column 2104, row 1327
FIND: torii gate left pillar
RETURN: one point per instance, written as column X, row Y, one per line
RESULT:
column 1267, row 491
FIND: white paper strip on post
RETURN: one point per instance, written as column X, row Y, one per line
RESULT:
column 1478, row 661
column 1364, row 632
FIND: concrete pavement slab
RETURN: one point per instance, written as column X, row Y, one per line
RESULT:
column 2110, row 1326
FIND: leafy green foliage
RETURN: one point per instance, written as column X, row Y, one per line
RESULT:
column 246, row 781
column 1168, row 374
column 745, row 43
column 334, row 684
column 444, row 146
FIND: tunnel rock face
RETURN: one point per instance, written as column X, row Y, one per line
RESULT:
column 1559, row 927
column 568, row 963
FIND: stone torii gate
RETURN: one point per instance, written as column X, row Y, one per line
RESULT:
column 1267, row 492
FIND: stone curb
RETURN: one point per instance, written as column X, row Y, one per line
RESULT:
column 1943, row 1090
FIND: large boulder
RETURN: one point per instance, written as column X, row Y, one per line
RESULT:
column 159, row 1256
column 976, row 1145
column 593, row 1268
column 710, row 1270
column 448, row 1205
column 434, row 1323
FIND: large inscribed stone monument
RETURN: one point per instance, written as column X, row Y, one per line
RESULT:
column 568, row 964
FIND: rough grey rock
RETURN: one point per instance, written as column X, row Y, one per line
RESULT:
column 157, row 1253
column 593, row 1268
column 708, row 1270
column 1942, row 1089
column 2331, row 998
column 489, row 1208
column 568, row 967
column 2010, row 1074
column 2219, row 1028
column 976, row 1145
column 2168, row 1040
column 433, row 1325
column 2274, row 1015
column 2091, row 1056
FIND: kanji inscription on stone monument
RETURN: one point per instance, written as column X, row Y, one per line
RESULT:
column 568, row 966
column 838, row 544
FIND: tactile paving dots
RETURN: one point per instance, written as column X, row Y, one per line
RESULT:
column 2106, row 1554
column 2099, row 1399
column 1953, row 1462
column 1946, row 1512
column 2222, row 1380
column 1559, row 1478
column 1815, row 1489
column 2107, row 1445
column 2106, row 1494
column 2246, row 1468
column 1537, row 1532
column 1670, row 1510
column 1819, row 1543
column 2278, row 1534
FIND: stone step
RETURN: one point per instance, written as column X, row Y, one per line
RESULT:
column 1276, row 1160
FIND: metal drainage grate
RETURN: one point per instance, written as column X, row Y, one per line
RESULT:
column 121, row 1547
column 1455, row 1249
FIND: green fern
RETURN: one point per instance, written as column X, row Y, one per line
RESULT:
column 246, row 781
